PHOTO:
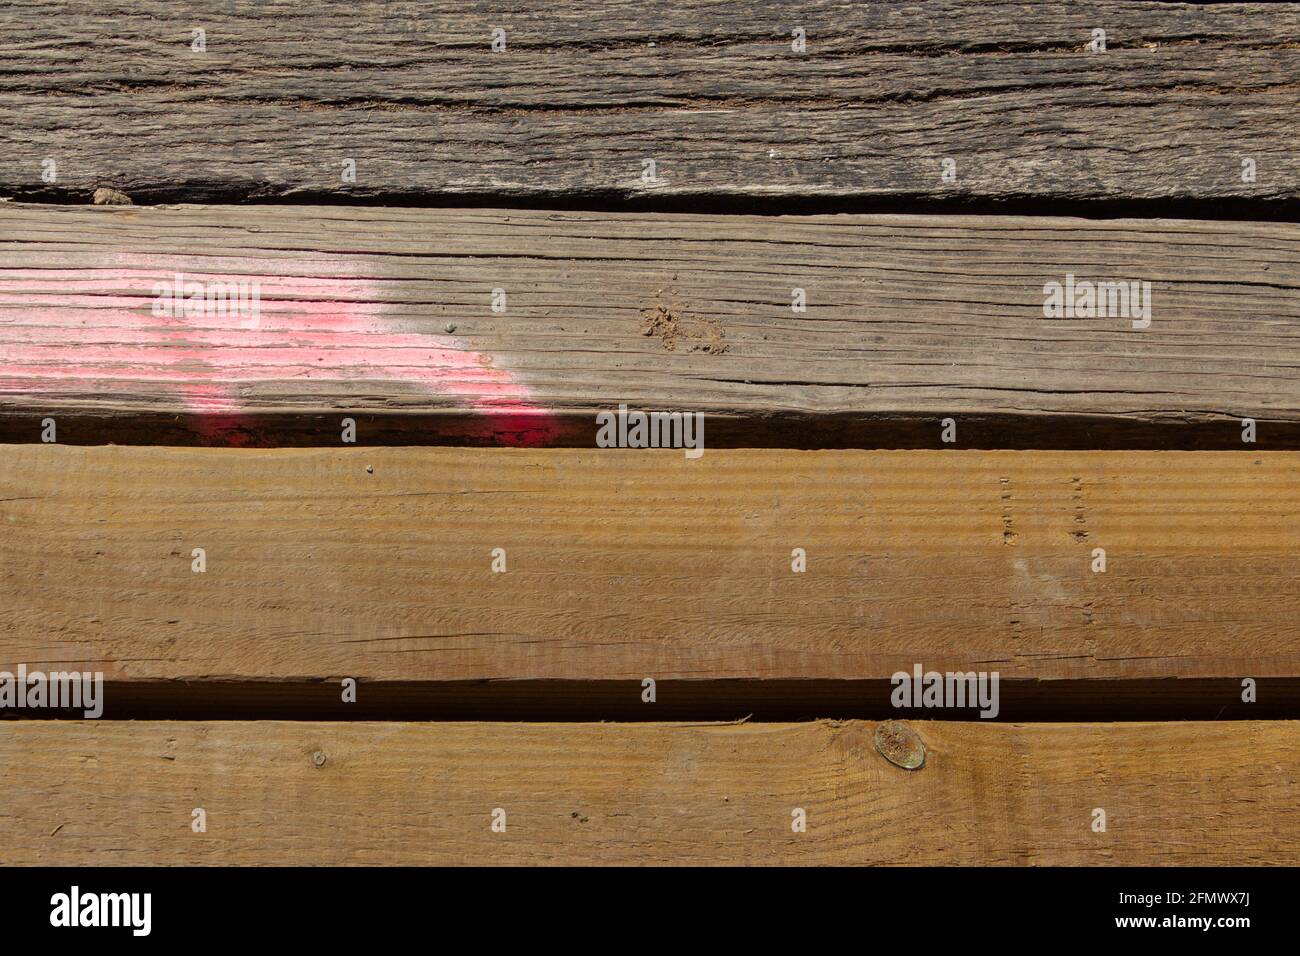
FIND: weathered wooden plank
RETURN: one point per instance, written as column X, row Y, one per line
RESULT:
column 377, row 564
column 387, row 315
column 715, row 93
column 120, row 793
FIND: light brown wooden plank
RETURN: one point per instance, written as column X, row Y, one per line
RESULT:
column 286, row 91
column 623, row 565
column 114, row 793
column 386, row 315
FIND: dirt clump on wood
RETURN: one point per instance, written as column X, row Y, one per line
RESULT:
column 111, row 197
column 668, row 324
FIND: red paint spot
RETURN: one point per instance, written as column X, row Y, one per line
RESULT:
column 93, row 332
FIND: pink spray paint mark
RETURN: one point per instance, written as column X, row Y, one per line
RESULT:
column 94, row 330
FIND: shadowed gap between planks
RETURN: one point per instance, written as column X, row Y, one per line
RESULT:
column 756, row 700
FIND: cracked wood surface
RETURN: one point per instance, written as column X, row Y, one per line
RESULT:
column 376, row 564
column 713, row 92
column 122, row 793
column 388, row 312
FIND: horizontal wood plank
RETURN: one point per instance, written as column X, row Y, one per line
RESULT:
column 387, row 316
column 284, row 93
column 621, row 565
column 90, row 793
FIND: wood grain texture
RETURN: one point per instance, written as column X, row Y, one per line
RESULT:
column 392, row 793
column 286, row 91
column 376, row 564
column 386, row 314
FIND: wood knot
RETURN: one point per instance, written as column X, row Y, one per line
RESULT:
column 900, row 745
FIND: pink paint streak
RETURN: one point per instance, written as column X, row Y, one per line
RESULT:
column 92, row 331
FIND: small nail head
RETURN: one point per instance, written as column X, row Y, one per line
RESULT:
column 318, row 758
column 900, row 745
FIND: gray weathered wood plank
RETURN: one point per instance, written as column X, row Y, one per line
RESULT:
column 388, row 313
column 285, row 92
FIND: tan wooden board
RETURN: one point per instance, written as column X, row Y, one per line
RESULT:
column 119, row 793
column 623, row 565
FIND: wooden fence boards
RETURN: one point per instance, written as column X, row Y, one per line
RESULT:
column 376, row 564
column 671, row 794
column 337, row 628
column 285, row 92
column 387, row 315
